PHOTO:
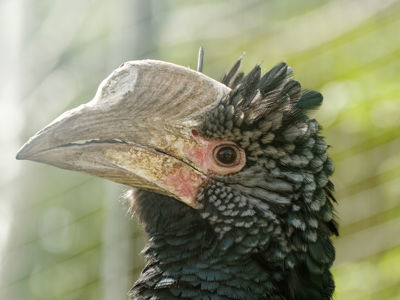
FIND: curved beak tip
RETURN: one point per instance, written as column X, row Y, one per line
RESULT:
column 22, row 153
column 28, row 150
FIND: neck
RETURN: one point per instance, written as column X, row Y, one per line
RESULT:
column 185, row 260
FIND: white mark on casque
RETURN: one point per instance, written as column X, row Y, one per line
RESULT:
column 112, row 89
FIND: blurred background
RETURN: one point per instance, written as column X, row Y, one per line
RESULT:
column 65, row 235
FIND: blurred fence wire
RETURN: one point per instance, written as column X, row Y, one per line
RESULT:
column 67, row 236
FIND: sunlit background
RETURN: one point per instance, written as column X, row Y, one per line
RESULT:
column 64, row 235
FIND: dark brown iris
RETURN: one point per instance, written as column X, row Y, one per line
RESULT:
column 226, row 155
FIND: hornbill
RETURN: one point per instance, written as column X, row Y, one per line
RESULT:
column 230, row 178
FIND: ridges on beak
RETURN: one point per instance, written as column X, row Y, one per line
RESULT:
column 136, row 131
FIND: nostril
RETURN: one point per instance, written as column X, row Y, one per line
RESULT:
column 195, row 132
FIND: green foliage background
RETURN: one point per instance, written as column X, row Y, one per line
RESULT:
column 67, row 236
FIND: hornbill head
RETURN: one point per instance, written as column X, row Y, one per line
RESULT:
column 242, row 153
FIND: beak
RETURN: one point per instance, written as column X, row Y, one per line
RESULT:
column 136, row 130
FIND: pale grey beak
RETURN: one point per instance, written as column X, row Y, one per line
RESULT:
column 135, row 129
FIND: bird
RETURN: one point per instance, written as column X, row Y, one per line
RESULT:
column 230, row 178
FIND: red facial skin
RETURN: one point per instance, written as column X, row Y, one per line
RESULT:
column 184, row 183
column 201, row 154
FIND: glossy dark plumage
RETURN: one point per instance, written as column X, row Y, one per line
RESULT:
column 261, row 233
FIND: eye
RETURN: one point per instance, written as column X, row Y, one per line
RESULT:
column 227, row 155
column 216, row 157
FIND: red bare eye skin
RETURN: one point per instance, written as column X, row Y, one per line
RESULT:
column 217, row 157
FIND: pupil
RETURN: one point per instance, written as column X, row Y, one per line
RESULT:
column 226, row 155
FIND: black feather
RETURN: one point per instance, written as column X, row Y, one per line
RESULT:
column 250, row 82
column 238, row 79
column 333, row 227
column 273, row 78
column 309, row 100
column 232, row 72
column 293, row 89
